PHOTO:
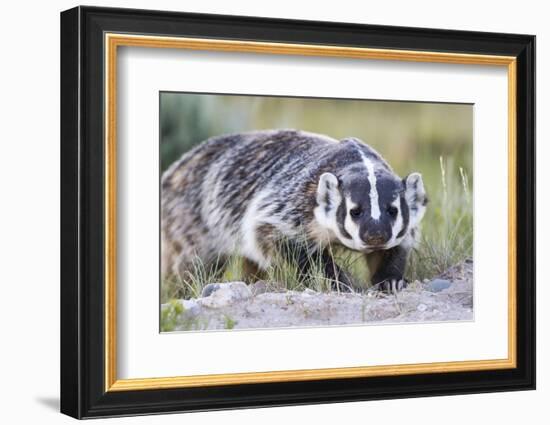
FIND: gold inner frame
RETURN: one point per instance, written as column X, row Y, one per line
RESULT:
column 113, row 41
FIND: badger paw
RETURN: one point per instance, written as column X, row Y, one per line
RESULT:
column 391, row 286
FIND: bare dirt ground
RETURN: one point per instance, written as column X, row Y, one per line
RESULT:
column 234, row 305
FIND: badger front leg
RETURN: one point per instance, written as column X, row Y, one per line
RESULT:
column 340, row 279
column 252, row 272
column 387, row 268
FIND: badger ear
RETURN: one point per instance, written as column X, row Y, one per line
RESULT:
column 415, row 195
column 328, row 194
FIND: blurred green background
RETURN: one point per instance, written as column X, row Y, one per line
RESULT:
column 434, row 139
column 411, row 136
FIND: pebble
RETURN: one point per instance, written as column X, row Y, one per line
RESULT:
column 438, row 285
column 223, row 294
column 209, row 289
column 422, row 307
column 260, row 287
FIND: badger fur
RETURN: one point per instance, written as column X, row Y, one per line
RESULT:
column 240, row 194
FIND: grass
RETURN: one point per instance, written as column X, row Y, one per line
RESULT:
column 229, row 323
column 285, row 271
column 447, row 231
column 192, row 282
column 172, row 318
column 447, row 239
column 169, row 316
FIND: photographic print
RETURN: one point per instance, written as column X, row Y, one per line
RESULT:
column 301, row 184
column 282, row 212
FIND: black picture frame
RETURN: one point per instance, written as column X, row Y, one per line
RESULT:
column 83, row 392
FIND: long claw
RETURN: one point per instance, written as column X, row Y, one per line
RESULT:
column 391, row 286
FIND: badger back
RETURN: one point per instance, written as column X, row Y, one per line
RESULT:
column 224, row 175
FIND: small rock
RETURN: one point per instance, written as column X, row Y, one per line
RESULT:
column 260, row 287
column 438, row 285
column 209, row 289
column 223, row 294
column 309, row 291
column 422, row 307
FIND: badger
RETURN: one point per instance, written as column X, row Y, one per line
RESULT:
column 239, row 194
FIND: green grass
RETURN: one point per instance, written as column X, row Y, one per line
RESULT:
column 229, row 323
column 169, row 316
column 285, row 273
column 446, row 239
column 192, row 282
column 172, row 317
column 447, row 230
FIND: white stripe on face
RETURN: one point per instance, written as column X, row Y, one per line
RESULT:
column 373, row 194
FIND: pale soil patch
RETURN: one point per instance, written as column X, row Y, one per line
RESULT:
column 237, row 306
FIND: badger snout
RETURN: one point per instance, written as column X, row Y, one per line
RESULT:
column 375, row 240
column 375, row 234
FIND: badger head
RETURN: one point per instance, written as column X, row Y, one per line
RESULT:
column 368, row 210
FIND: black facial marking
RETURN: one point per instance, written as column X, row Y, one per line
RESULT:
column 358, row 189
column 340, row 217
column 392, row 211
column 388, row 189
column 404, row 215
column 356, row 212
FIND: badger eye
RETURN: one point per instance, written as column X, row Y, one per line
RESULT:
column 392, row 211
column 356, row 212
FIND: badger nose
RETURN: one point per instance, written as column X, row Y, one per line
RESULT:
column 373, row 240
